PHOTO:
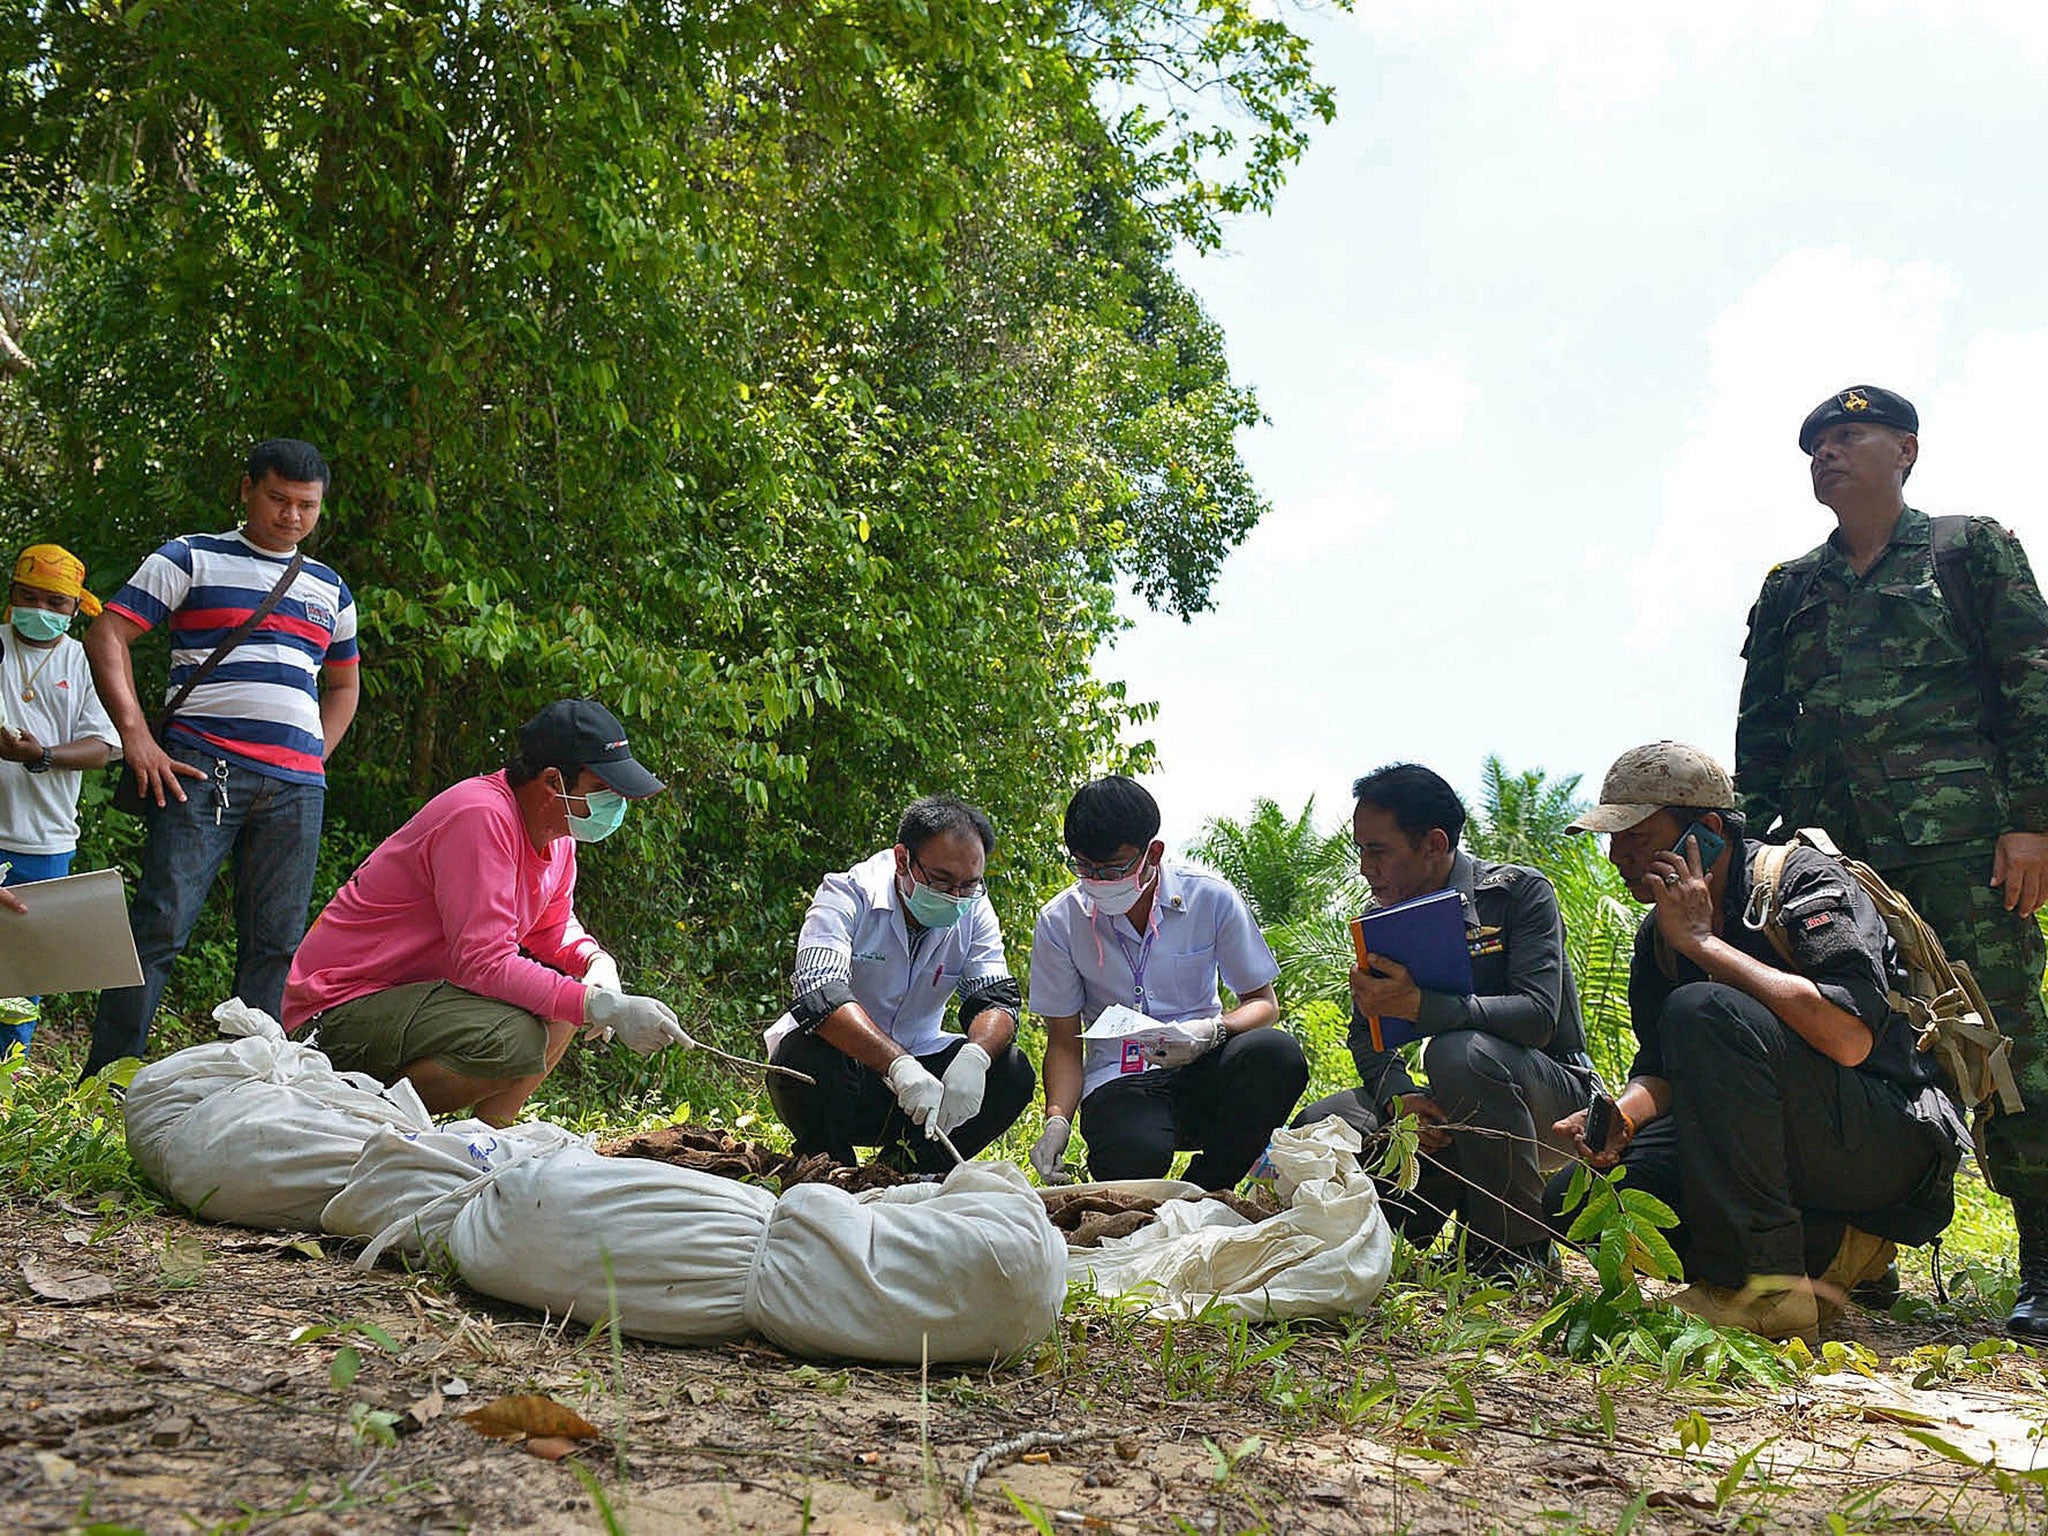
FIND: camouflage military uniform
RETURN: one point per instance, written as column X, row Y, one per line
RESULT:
column 1863, row 711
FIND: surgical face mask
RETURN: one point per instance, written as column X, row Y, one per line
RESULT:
column 1113, row 898
column 607, row 810
column 935, row 909
column 39, row 624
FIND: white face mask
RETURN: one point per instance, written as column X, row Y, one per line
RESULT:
column 1113, row 898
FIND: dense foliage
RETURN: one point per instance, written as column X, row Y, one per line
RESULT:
column 801, row 378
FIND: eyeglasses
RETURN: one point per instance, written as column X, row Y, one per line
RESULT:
column 1088, row 869
column 946, row 885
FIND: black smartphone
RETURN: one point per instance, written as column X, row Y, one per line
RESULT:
column 1711, row 843
column 1599, row 1120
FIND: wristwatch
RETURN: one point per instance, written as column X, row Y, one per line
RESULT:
column 42, row 764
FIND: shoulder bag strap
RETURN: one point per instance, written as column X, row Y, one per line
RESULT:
column 241, row 632
column 1950, row 536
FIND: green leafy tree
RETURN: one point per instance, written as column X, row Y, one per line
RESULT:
column 803, row 380
column 1285, row 867
column 1522, row 820
column 1524, row 815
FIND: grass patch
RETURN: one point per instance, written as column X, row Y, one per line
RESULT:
column 62, row 1140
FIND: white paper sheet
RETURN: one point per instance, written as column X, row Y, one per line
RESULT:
column 1116, row 1022
column 75, row 937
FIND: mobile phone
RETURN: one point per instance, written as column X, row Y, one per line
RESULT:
column 1599, row 1120
column 1711, row 843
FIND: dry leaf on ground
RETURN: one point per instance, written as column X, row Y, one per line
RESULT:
column 53, row 1282
column 530, row 1415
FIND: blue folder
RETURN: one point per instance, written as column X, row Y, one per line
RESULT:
column 1428, row 936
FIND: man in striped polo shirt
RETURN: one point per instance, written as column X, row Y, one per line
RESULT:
column 242, row 766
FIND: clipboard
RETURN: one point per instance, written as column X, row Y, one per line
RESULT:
column 74, row 938
column 1427, row 935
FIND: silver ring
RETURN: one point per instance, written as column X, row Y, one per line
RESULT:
column 1670, row 879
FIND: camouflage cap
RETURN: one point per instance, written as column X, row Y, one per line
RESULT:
column 1859, row 402
column 1644, row 780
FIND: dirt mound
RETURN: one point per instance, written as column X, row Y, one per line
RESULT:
column 710, row 1151
column 1089, row 1216
column 1085, row 1217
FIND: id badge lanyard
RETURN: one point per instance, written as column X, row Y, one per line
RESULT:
column 1143, row 959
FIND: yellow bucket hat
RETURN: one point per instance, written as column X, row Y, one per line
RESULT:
column 54, row 568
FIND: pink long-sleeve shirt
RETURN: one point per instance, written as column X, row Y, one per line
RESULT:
column 453, row 895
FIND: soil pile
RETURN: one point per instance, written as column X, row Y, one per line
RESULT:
column 1090, row 1216
column 717, row 1152
column 1085, row 1217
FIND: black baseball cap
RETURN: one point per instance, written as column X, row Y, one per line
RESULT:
column 584, row 732
column 1859, row 402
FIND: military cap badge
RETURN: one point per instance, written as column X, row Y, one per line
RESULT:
column 1860, row 402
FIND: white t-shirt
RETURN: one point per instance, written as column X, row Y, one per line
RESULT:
column 39, row 811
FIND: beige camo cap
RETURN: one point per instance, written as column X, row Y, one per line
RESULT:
column 1644, row 780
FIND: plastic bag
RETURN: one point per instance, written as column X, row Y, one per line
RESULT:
column 571, row 1232
column 396, row 1194
column 966, row 1271
column 1327, row 1254
column 257, row 1130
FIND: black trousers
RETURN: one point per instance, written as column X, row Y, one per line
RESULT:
column 1507, row 1097
column 1770, row 1147
column 1224, row 1107
column 852, row 1105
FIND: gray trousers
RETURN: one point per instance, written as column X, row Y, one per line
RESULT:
column 1503, row 1098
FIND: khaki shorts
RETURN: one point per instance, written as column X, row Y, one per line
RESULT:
column 385, row 1032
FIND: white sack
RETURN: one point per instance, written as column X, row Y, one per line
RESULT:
column 1326, row 1255
column 680, row 1242
column 970, row 1270
column 258, row 1130
column 396, row 1191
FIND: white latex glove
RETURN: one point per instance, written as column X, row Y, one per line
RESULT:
column 1176, row 1045
column 645, row 1024
column 966, row 1081
column 1050, row 1147
column 916, row 1089
column 603, row 973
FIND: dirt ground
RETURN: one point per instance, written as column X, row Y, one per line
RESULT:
column 178, row 1399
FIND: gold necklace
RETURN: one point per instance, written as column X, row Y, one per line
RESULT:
column 28, row 678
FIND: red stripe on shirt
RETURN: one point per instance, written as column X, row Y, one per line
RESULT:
column 263, row 752
column 130, row 615
column 230, row 618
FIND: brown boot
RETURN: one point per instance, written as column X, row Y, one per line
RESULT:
column 1775, row 1306
column 1863, row 1256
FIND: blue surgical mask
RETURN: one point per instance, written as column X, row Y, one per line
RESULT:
column 607, row 810
column 933, row 908
column 39, row 624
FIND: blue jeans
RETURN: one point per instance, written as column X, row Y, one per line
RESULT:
column 26, row 869
column 273, row 829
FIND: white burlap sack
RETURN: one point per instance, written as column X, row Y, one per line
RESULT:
column 397, row 1191
column 1326, row 1255
column 680, row 1243
column 966, row 1271
column 256, row 1130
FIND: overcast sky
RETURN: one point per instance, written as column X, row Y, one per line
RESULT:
column 1536, row 322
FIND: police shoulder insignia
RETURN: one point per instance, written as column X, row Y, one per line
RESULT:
column 1852, row 401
